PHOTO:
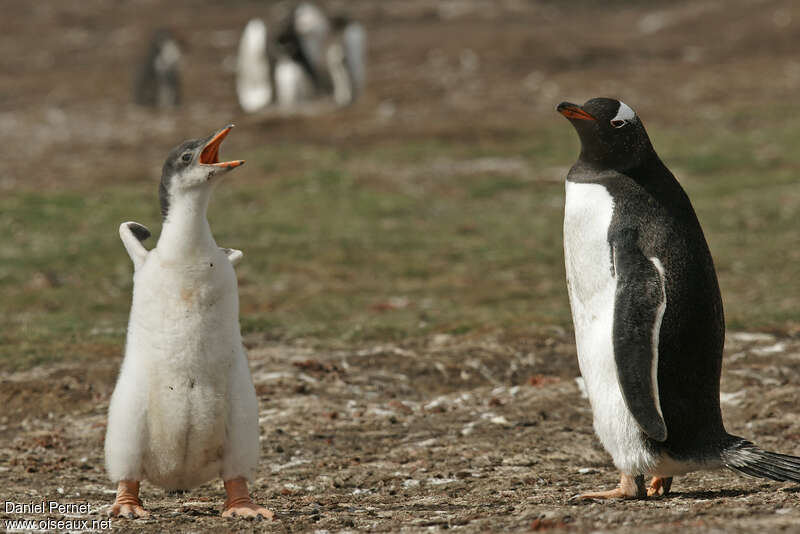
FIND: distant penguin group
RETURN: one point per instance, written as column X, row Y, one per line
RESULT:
column 312, row 57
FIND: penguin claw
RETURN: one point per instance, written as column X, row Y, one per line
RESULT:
column 239, row 503
column 249, row 511
column 127, row 503
column 127, row 511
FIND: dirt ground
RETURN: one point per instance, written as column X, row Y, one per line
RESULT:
column 473, row 434
column 478, row 433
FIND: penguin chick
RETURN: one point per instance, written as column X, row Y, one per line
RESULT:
column 647, row 311
column 184, row 409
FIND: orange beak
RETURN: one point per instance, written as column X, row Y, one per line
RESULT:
column 573, row 111
column 210, row 154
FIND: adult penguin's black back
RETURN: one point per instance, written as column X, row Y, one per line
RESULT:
column 647, row 310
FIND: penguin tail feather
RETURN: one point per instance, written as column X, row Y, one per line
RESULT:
column 746, row 458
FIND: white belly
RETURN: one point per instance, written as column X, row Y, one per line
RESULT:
column 184, row 331
column 253, row 84
column 592, row 287
column 292, row 84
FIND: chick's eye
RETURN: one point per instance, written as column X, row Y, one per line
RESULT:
column 618, row 123
column 187, row 157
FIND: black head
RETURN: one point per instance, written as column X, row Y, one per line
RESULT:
column 193, row 164
column 165, row 47
column 611, row 134
column 161, row 36
column 340, row 21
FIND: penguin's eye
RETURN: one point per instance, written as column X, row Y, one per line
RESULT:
column 187, row 157
column 618, row 123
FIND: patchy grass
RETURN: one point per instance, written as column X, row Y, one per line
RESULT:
column 395, row 240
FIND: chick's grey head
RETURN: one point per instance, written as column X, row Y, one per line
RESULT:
column 611, row 134
column 193, row 165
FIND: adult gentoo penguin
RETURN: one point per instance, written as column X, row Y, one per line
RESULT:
column 646, row 306
column 266, row 74
column 330, row 51
column 311, row 59
column 158, row 80
column 253, row 68
column 345, row 59
column 184, row 409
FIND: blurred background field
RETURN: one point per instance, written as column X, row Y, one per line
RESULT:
column 402, row 292
column 431, row 206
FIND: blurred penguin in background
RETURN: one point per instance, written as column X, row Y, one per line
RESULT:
column 253, row 68
column 345, row 58
column 304, row 38
column 266, row 75
column 158, row 82
column 332, row 51
column 312, row 57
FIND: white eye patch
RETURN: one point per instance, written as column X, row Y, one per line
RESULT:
column 624, row 115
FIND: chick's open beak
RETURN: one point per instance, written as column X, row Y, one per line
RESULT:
column 210, row 153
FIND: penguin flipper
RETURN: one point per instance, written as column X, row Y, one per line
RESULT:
column 639, row 306
column 132, row 235
column 235, row 256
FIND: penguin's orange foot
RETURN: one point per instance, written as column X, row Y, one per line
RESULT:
column 249, row 510
column 629, row 488
column 127, row 503
column 659, row 486
column 239, row 504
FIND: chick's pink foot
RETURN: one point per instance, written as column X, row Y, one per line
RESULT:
column 239, row 504
column 127, row 503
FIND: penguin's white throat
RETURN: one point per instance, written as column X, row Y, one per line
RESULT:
column 186, row 231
